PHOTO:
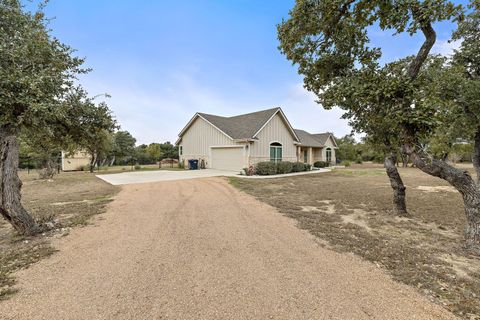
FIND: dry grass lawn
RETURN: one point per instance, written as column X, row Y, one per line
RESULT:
column 69, row 200
column 350, row 211
column 143, row 167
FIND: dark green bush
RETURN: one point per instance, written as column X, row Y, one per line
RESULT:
column 359, row 160
column 270, row 168
column 298, row 167
column 321, row 164
column 266, row 168
column 284, row 167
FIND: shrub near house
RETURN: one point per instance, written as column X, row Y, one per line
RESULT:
column 267, row 168
column 321, row 164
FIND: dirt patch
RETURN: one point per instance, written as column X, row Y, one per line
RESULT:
column 357, row 218
column 424, row 251
column 69, row 200
column 463, row 266
column 436, row 189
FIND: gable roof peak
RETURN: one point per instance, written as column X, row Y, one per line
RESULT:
column 314, row 140
column 243, row 126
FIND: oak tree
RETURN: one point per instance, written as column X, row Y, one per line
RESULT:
column 38, row 96
column 328, row 41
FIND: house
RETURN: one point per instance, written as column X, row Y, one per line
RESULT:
column 234, row 143
column 76, row 161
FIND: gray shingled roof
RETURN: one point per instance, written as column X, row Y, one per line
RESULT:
column 307, row 139
column 316, row 140
column 322, row 137
column 243, row 126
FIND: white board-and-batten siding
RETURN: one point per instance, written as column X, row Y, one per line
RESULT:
column 329, row 144
column 199, row 138
column 276, row 130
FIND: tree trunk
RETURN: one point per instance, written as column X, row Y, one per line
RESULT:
column 471, row 201
column 463, row 182
column 399, row 202
column 93, row 161
column 10, row 185
column 113, row 161
column 476, row 154
column 405, row 160
column 445, row 156
column 47, row 171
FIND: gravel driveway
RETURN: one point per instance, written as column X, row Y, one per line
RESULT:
column 199, row 249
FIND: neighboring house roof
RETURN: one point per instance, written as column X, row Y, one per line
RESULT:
column 245, row 126
column 316, row 140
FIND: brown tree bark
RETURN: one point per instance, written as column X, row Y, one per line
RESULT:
column 47, row 171
column 405, row 160
column 476, row 155
column 93, row 161
column 10, row 185
column 422, row 54
column 399, row 194
column 460, row 180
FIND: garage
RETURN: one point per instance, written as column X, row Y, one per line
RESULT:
column 228, row 158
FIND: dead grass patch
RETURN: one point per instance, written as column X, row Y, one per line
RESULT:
column 436, row 188
column 69, row 200
column 351, row 210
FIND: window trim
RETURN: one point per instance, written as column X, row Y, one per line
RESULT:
column 276, row 146
column 327, row 151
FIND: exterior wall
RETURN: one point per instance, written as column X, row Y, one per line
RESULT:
column 320, row 154
column 75, row 162
column 331, row 145
column 198, row 139
column 317, row 154
column 276, row 130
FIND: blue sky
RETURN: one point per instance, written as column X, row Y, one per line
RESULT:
column 162, row 61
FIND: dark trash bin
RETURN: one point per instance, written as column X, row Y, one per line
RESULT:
column 193, row 164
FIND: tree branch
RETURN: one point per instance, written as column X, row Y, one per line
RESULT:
column 460, row 179
column 430, row 38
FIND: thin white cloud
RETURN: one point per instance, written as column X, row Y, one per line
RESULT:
column 445, row 47
column 305, row 113
column 157, row 116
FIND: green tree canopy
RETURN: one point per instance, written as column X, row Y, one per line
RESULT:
column 124, row 145
column 39, row 98
column 328, row 41
column 154, row 151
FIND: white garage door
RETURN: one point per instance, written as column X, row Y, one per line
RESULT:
column 231, row 159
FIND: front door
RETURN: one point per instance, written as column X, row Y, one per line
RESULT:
column 305, row 156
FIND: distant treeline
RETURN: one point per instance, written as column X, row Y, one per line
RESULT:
column 352, row 151
column 118, row 148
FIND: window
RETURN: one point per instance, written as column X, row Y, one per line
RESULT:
column 328, row 155
column 275, row 152
column 305, row 156
column 180, row 150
